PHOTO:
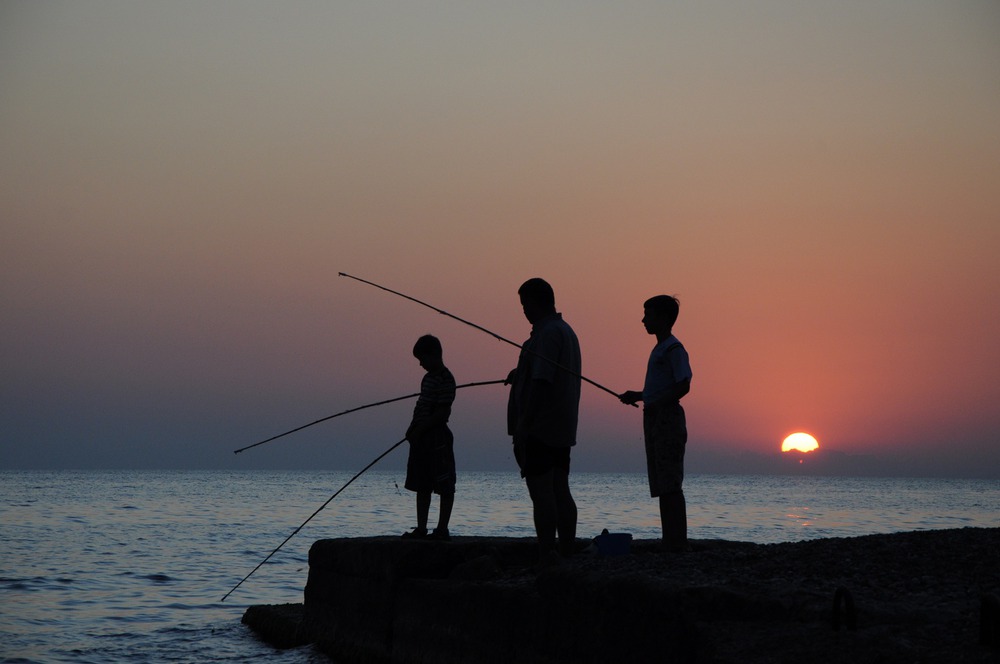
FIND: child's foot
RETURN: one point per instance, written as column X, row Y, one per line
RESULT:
column 416, row 533
column 441, row 534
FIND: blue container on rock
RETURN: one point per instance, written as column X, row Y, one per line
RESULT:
column 613, row 544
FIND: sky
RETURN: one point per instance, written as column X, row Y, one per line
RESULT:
column 182, row 182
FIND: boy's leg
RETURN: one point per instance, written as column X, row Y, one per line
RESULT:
column 444, row 516
column 665, row 435
column 423, row 509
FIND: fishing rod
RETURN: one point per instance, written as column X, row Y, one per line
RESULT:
column 321, row 507
column 351, row 410
column 483, row 329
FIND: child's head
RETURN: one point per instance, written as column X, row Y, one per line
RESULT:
column 664, row 308
column 428, row 351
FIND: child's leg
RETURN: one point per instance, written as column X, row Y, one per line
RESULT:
column 423, row 508
column 444, row 516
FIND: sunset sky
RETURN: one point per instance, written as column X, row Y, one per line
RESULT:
column 181, row 182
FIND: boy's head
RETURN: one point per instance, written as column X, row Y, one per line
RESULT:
column 537, row 299
column 661, row 313
column 428, row 352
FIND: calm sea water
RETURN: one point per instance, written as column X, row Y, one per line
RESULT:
column 130, row 566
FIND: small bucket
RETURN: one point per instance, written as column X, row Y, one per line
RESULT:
column 613, row 544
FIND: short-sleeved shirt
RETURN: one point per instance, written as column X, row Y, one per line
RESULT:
column 436, row 389
column 431, row 464
column 552, row 355
column 668, row 365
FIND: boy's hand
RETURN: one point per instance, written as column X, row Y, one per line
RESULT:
column 630, row 397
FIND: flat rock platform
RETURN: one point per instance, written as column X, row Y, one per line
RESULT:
column 927, row 596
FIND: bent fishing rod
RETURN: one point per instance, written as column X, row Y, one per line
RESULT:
column 483, row 329
column 321, row 507
column 356, row 408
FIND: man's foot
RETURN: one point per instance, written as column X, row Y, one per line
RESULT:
column 548, row 560
column 416, row 533
column 440, row 534
column 570, row 549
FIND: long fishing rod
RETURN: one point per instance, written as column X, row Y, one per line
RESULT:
column 351, row 410
column 321, row 507
column 482, row 329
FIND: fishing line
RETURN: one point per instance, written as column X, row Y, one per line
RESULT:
column 483, row 329
column 321, row 507
column 351, row 410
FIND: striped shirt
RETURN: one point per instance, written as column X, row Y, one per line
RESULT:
column 436, row 389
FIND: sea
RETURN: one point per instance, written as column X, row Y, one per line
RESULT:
column 132, row 566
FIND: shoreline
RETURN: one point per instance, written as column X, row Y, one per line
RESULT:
column 909, row 596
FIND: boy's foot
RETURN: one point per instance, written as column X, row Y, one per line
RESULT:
column 416, row 533
column 441, row 534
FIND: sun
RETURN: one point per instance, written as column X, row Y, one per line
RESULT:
column 800, row 442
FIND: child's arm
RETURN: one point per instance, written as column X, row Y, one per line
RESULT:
column 675, row 393
column 418, row 427
column 678, row 390
column 630, row 397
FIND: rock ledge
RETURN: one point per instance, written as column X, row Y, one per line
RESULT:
column 925, row 596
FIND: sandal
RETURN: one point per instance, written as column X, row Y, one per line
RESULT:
column 416, row 533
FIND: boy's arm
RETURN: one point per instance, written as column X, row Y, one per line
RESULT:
column 678, row 390
column 439, row 415
column 675, row 393
column 630, row 397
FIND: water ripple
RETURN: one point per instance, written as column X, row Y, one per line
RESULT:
column 130, row 566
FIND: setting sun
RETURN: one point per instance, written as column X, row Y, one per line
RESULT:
column 801, row 442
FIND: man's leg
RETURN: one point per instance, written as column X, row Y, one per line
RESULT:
column 673, row 519
column 565, row 512
column 544, row 509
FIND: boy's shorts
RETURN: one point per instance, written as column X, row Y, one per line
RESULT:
column 665, row 428
column 431, row 464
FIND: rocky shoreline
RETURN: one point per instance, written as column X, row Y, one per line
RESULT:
column 927, row 596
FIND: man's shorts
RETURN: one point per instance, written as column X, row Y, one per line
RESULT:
column 665, row 429
column 536, row 458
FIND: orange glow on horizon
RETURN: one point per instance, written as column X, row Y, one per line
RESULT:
column 800, row 442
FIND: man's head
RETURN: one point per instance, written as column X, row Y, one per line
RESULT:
column 537, row 299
